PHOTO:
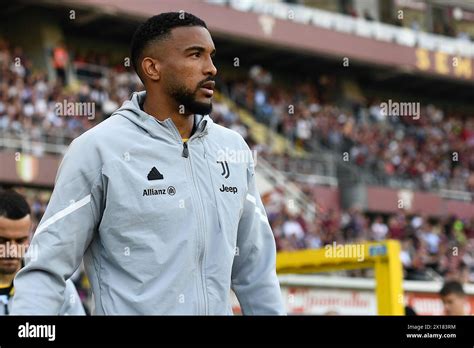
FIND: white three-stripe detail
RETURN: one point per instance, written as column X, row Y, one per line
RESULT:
column 257, row 209
column 60, row 214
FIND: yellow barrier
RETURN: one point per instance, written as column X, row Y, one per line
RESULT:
column 384, row 257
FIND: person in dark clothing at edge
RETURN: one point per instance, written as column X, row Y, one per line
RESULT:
column 15, row 226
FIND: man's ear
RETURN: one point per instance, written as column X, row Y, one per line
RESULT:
column 151, row 68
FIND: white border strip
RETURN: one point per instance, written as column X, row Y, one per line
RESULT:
column 337, row 282
column 60, row 214
column 257, row 209
column 251, row 198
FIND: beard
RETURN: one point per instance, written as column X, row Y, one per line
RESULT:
column 187, row 98
column 11, row 268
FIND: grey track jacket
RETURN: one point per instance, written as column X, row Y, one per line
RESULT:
column 164, row 227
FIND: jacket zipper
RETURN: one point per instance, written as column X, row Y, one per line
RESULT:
column 201, row 240
column 185, row 152
column 212, row 183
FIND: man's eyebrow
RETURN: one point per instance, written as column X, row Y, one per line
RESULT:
column 199, row 48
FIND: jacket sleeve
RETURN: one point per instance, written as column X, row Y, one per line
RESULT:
column 63, row 235
column 72, row 302
column 254, row 279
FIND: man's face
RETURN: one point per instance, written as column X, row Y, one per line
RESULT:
column 454, row 304
column 187, row 70
column 14, row 240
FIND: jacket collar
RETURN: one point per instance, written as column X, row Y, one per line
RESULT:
column 201, row 122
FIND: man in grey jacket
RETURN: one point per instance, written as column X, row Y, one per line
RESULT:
column 160, row 201
column 15, row 226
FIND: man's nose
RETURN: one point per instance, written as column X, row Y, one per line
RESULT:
column 211, row 68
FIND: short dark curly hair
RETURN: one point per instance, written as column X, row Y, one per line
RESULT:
column 158, row 28
column 452, row 287
column 13, row 205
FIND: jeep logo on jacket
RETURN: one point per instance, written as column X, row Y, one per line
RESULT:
column 157, row 222
column 232, row 189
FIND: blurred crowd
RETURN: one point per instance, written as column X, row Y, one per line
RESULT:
column 433, row 150
column 431, row 247
column 29, row 100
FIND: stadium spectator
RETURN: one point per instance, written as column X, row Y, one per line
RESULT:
column 379, row 229
column 454, row 298
column 61, row 62
column 15, row 226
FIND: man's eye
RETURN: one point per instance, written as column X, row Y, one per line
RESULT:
column 197, row 54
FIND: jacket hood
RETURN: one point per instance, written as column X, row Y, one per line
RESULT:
column 131, row 110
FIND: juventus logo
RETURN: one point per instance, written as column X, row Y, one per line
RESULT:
column 225, row 169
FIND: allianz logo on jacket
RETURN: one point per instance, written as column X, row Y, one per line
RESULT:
column 159, row 191
column 155, row 174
